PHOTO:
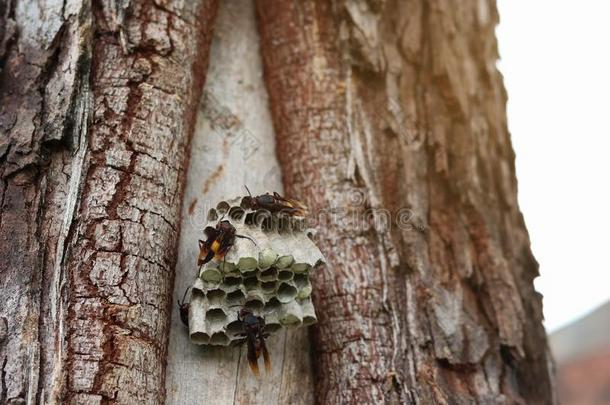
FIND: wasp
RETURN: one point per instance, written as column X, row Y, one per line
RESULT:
column 275, row 203
column 255, row 338
column 184, row 308
column 219, row 240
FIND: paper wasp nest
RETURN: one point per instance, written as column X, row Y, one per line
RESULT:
column 271, row 278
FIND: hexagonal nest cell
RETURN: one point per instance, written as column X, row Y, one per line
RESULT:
column 270, row 277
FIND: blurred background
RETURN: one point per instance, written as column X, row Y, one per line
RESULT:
column 556, row 64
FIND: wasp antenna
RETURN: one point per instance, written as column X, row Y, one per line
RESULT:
column 248, row 190
column 184, row 296
column 247, row 237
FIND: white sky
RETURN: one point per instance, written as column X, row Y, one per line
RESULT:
column 556, row 65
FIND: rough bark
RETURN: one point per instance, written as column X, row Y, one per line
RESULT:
column 233, row 145
column 396, row 107
column 45, row 59
column 91, row 191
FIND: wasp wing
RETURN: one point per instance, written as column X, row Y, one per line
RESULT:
column 262, row 347
column 299, row 209
column 209, row 255
column 206, row 251
column 265, row 355
column 222, row 245
column 294, row 207
column 252, row 357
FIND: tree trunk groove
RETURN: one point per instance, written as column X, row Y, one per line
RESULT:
column 233, row 145
column 386, row 117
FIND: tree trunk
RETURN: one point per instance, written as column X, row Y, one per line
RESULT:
column 389, row 119
column 395, row 110
column 97, row 104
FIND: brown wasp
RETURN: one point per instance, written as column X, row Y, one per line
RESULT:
column 219, row 240
column 275, row 203
column 255, row 338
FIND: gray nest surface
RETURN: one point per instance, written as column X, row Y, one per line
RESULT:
column 270, row 277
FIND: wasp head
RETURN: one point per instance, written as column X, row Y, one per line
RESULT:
column 225, row 227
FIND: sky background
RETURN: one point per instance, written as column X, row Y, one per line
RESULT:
column 555, row 58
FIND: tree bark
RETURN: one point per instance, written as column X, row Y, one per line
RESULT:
column 97, row 105
column 395, row 110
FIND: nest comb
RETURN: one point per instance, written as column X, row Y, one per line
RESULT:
column 271, row 278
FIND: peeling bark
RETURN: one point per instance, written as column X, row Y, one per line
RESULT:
column 396, row 107
column 85, row 170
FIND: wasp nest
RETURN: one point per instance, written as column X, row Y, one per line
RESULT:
column 269, row 277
